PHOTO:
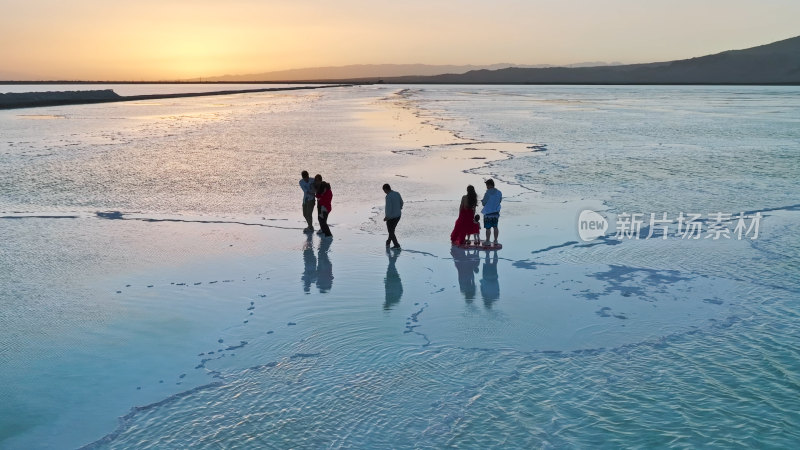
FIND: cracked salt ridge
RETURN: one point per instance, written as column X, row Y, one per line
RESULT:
column 431, row 137
column 414, row 318
column 117, row 215
column 33, row 216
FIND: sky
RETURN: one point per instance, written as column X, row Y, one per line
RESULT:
column 152, row 40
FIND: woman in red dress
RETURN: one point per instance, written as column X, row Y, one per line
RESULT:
column 465, row 224
column 324, row 197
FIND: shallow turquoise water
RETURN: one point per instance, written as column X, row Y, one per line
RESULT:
column 200, row 315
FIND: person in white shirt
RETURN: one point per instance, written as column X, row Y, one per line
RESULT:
column 491, row 210
column 309, row 199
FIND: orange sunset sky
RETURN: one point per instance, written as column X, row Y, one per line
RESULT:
column 147, row 40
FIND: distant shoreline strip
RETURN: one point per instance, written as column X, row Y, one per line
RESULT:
column 61, row 98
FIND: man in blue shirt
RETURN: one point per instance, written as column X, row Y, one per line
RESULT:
column 394, row 206
column 491, row 210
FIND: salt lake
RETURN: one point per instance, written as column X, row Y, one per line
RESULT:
column 157, row 291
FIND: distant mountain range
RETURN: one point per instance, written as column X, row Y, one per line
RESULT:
column 775, row 63
column 371, row 71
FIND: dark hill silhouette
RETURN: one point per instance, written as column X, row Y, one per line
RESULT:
column 776, row 63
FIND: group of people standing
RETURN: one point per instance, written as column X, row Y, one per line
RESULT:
column 468, row 226
column 318, row 192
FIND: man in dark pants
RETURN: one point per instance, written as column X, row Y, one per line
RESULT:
column 394, row 206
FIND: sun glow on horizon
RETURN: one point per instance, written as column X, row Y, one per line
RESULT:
column 186, row 56
column 152, row 40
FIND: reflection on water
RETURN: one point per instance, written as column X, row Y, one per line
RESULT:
column 309, row 265
column 392, row 282
column 317, row 269
column 324, row 267
column 467, row 262
column 490, row 284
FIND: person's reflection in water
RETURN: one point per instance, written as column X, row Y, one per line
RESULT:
column 490, row 285
column 467, row 262
column 309, row 265
column 394, row 286
column 324, row 267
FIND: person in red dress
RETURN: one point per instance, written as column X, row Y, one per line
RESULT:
column 465, row 224
column 324, row 197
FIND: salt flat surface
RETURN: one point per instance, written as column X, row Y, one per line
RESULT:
column 157, row 289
